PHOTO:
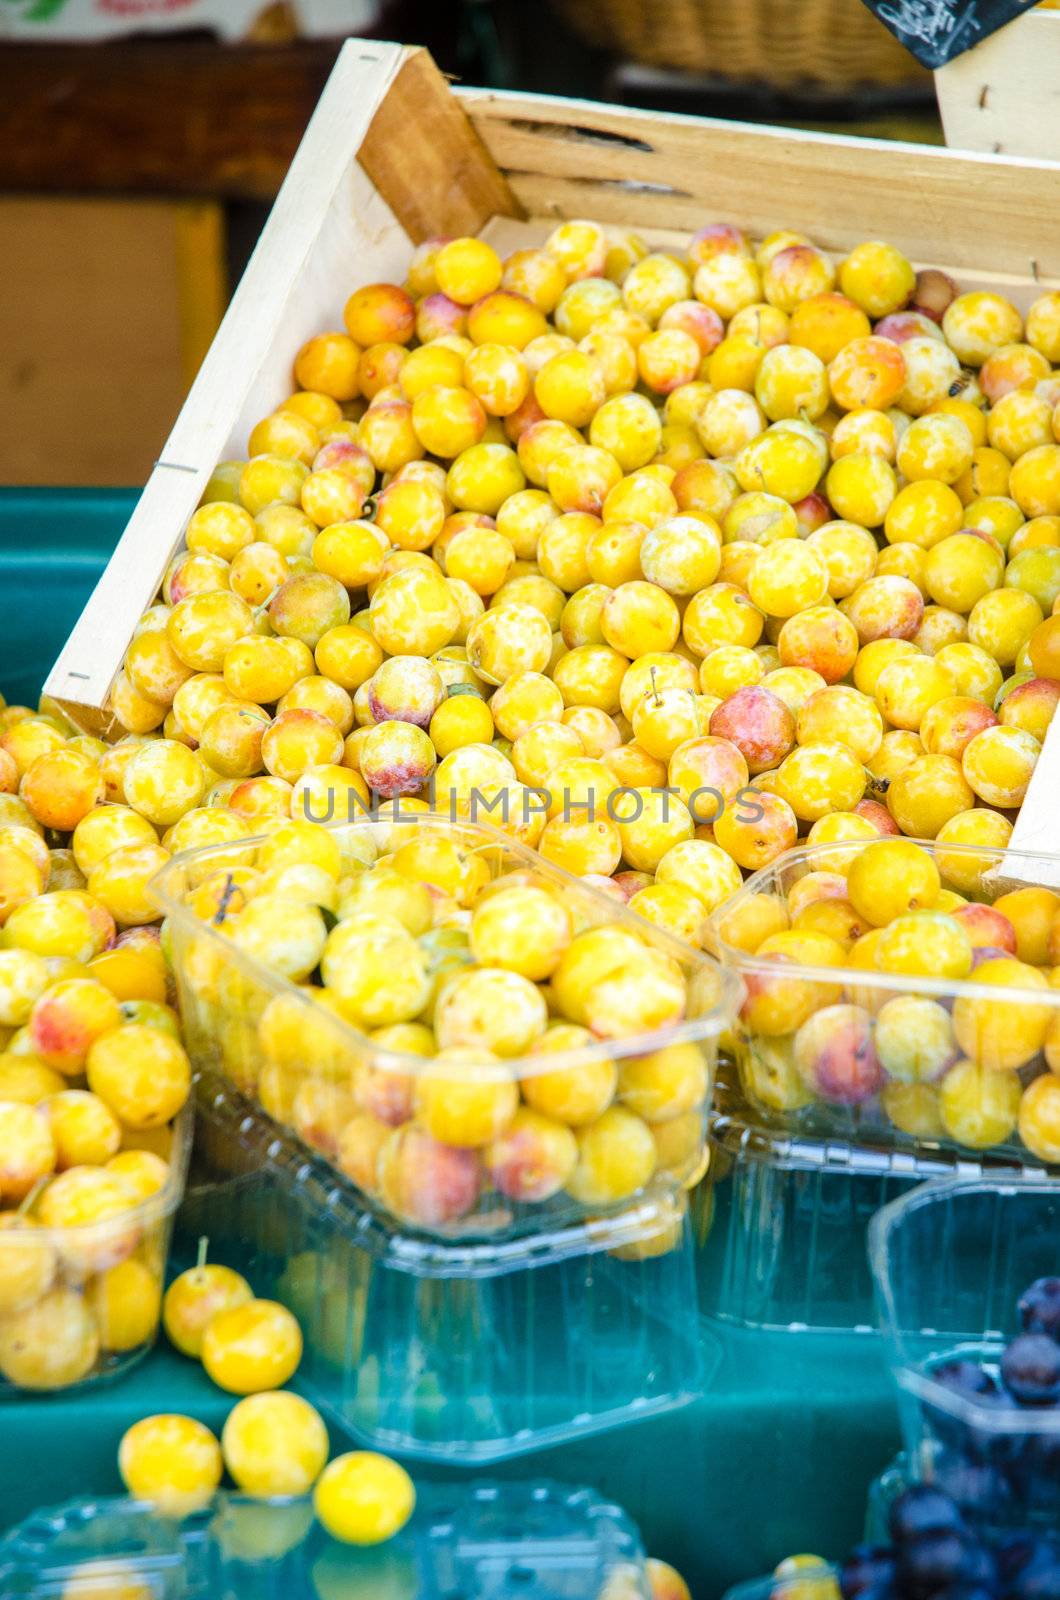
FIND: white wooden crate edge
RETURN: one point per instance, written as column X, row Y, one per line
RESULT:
column 290, row 284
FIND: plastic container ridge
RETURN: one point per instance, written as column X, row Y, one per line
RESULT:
column 782, row 1220
column 782, row 1227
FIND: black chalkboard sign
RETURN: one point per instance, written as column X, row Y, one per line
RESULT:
column 937, row 30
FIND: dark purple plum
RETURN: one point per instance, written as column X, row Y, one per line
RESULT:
column 1037, row 1578
column 868, row 1568
column 1030, row 1369
column 1039, row 1307
column 922, row 1508
column 976, row 1486
column 943, row 1559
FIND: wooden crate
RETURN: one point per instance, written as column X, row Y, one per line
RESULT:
column 394, row 155
column 1004, row 94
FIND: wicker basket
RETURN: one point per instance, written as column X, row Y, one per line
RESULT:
column 835, row 43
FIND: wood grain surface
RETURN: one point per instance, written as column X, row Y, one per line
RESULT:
column 179, row 116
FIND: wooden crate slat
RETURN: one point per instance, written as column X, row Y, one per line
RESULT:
column 1037, row 828
column 571, row 157
column 423, row 154
column 156, row 115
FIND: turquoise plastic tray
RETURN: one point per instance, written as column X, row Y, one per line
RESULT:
column 54, row 543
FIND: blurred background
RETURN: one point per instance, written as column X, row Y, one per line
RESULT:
column 141, row 142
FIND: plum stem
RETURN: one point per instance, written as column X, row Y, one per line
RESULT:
column 226, row 898
column 267, row 602
column 33, row 1196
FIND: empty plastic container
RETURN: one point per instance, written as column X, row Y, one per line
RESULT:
column 480, row 1541
column 950, row 1262
column 845, row 1052
column 81, row 1305
column 469, row 1142
column 462, row 1353
column 781, row 1224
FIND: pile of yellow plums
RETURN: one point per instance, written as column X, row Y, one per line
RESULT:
column 634, row 548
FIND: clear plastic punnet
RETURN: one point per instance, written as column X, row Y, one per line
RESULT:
column 782, row 1225
column 483, row 1045
column 478, row 1541
column 465, row 1352
column 898, row 999
column 81, row 1305
column 959, row 1269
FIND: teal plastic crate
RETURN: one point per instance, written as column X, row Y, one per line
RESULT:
column 54, row 543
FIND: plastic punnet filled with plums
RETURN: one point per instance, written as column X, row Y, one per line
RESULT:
column 489, row 1041
column 899, row 993
column 95, row 1133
